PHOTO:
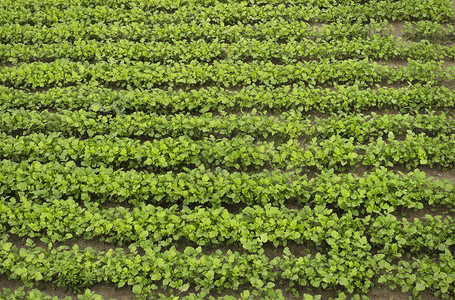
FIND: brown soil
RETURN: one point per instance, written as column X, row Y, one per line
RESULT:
column 20, row 242
column 384, row 293
column 110, row 204
column 397, row 29
column 106, row 290
column 45, row 287
column 393, row 63
column 9, row 283
column 111, row 291
column 421, row 213
column 439, row 174
column 436, row 174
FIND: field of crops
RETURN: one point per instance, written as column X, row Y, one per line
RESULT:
column 227, row 149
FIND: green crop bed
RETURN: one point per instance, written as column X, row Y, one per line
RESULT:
column 224, row 149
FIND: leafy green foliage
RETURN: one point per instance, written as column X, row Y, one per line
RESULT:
column 416, row 98
column 291, row 124
column 221, row 73
column 229, row 137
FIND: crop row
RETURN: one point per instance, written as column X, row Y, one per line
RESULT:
column 252, row 227
column 169, row 5
column 291, row 124
column 89, row 123
column 234, row 13
column 62, row 220
column 374, row 48
column 398, row 238
column 33, row 294
column 242, row 153
column 22, row 293
column 77, row 269
column 377, row 191
column 277, row 30
column 431, row 31
column 343, row 98
column 222, row 73
column 365, row 128
column 128, row 153
column 418, row 274
column 413, row 151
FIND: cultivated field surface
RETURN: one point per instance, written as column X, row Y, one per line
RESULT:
column 227, row 149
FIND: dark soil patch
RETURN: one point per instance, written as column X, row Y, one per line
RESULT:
column 111, row 291
column 382, row 293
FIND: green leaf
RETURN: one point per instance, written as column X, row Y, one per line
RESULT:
column 7, row 246
column 184, row 287
column 137, row 289
column 344, row 282
column 210, row 274
column 264, row 238
column 21, row 186
column 420, row 286
column 245, row 294
column 21, row 271
column 38, row 276
column 95, row 107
